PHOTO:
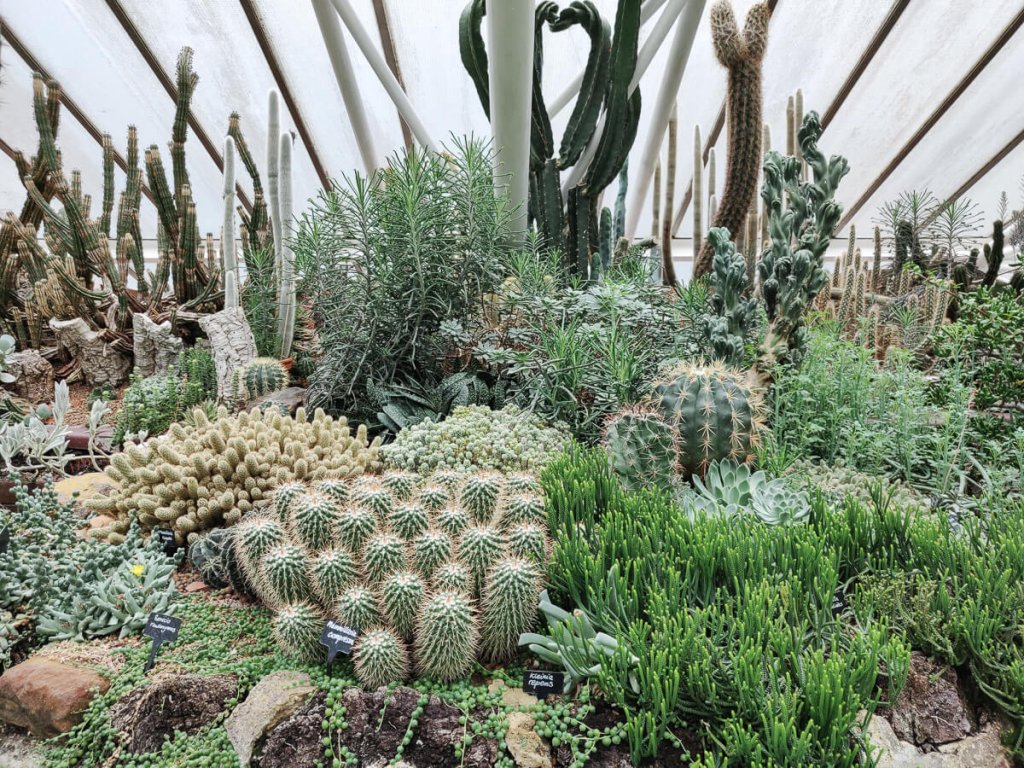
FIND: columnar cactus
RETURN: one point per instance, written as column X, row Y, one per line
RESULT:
column 446, row 637
column 262, row 376
column 509, row 604
column 734, row 315
column 479, row 548
column 741, row 54
column 380, row 658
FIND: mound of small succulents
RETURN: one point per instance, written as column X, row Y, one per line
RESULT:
column 56, row 585
column 196, row 478
column 433, row 572
column 475, row 437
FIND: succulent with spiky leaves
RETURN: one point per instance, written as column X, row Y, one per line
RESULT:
column 434, row 497
column 528, row 540
column 452, row 577
column 336, row 490
column 446, row 637
column 383, row 554
column 401, row 595
column 255, row 536
column 642, row 447
column 284, row 574
column 379, row 658
column 355, row 526
column 429, row 550
column 284, row 496
column 716, row 412
column 357, row 607
column 480, row 547
column 374, row 496
column 409, row 519
column 509, row 606
column 297, row 628
column 314, row 521
column 401, row 484
column 453, row 520
column 522, row 508
column 331, row 571
column 480, row 494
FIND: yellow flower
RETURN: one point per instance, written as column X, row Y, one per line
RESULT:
column 138, row 569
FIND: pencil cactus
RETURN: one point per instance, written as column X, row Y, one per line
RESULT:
column 380, row 658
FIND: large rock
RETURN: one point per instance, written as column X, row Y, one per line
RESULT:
column 984, row 750
column 156, row 347
column 932, row 708
column 231, row 343
column 46, row 696
column 151, row 713
column 86, row 486
column 297, row 741
column 525, row 746
column 101, row 364
column 272, row 700
column 33, row 376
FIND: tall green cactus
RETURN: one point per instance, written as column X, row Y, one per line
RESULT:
column 742, row 54
column 600, row 130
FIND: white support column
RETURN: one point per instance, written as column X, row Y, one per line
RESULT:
column 510, row 59
column 383, row 72
column 682, row 44
column 337, row 50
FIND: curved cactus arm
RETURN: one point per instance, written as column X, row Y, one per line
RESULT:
column 473, row 52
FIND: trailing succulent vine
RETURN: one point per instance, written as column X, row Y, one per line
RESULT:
column 598, row 136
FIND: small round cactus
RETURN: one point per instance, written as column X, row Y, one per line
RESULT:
column 480, row 495
column 297, row 628
column 509, row 606
column 383, row 554
column 401, row 484
column 355, row 526
column 254, row 537
column 522, row 483
column 285, row 570
column 479, row 549
column 408, row 519
column 357, row 607
column 453, row 520
column 283, row 498
column 262, row 376
column 522, row 508
column 452, row 577
column 380, row 658
column 446, row 637
column 528, row 540
column 336, row 490
column 429, row 550
column 434, row 497
column 372, row 494
column 448, row 478
column 401, row 595
column 642, row 447
column 314, row 520
column 330, row 572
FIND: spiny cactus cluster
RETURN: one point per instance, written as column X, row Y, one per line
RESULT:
column 696, row 414
column 475, row 437
column 193, row 479
column 435, row 571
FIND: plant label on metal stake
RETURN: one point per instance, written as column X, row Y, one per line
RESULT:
column 5, row 538
column 543, row 683
column 338, row 639
column 163, row 629
column 166, row 538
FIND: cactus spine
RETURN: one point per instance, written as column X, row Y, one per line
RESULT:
column 446, row 637
column 509, row 604
column 297, row 629
column 642, row 447
column 401, row 596
column 357, row 607
column 330, row 572
column 380, row 658
column 742, row 54
column 262, row 376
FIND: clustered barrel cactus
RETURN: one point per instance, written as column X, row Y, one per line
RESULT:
column 433, row 572
column 196, row 478
column 696, row 414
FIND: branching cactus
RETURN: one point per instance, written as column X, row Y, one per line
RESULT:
column 734, row 315
column 380, row 658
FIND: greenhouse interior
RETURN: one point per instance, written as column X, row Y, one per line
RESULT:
column 516, row 383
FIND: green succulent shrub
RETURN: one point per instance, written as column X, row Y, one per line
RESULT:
column 149, row 406
column 474, row 437
column 388, row 258
column 730, row 489
column 434, row 593
column 57, row 585
column 402, row 405
column 199, row 372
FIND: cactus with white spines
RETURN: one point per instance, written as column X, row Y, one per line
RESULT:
column 285, row 574
column 297, row 628
column 383, row 554
column 401, row 484
column 528, row 540
column 522, row 483
column 453, row 520
column 434, row 497
column 355, row 525
column 452, row 576
column 480, row 493
column 373, row 495
column 314, row 520
column 409, row 519
column 357, row 607
column 380, row 658
column 284, row 496
column 401, row 595
column 509, row 606
column 480, row 547
column 446, row 637
column 448, row 478
column 336, row 490
column 429, row 550
column 522, row 508
column 255, row 536
column 330, row 572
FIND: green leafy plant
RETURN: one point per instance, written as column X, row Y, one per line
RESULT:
column 403, row 405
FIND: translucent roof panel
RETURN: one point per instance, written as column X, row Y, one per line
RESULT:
column 84, row 45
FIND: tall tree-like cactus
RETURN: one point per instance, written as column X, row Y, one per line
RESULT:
column 742, row 54
column 600, row 131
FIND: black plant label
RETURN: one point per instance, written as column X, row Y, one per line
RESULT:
column 543, row 683
column 337, row 639
column 166, row 538
column 163, row 629
column 5, row 538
